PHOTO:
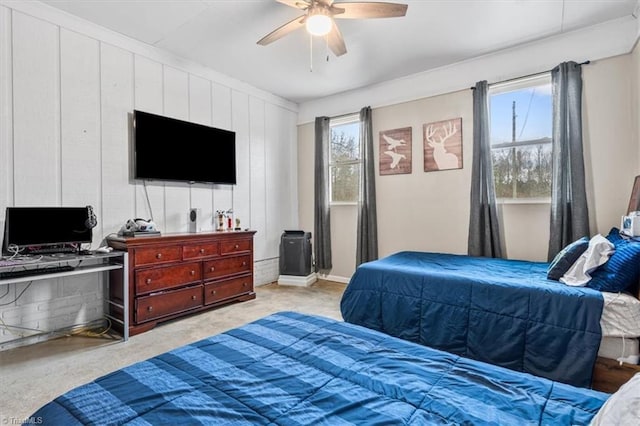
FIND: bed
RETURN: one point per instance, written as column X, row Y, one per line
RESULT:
column 504, row 312
column 620, row 324
column 290, row 368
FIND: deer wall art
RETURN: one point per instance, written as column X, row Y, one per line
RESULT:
column 443, row 145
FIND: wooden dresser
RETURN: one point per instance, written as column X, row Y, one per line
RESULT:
column 178, row 274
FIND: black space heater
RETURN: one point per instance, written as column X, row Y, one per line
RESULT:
column 295, row 253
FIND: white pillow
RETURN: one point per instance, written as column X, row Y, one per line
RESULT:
column 620, row 315
column 622, row 407
column 597, row 254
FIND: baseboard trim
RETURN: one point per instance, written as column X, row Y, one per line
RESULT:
column 298, row 281
column 335, row 278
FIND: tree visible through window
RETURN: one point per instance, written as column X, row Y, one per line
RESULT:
column 521, row 130
column 344, row 161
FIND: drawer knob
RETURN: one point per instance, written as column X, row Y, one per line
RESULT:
column 193, row 273
column 193, row 297
column 159, row 256
column 148, row 281
column 244, row 263
column 245, row 284
column 236, row 247
column 213, row 292
column 201, row 251
column 150, row 308
column 212, row 269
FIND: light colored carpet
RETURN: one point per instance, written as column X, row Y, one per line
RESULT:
column 31, row 376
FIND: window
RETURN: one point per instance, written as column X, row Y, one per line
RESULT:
column 521, row 130
column 344, row 159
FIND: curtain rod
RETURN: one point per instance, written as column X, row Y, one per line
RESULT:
column 344, row 115
column 527, row 76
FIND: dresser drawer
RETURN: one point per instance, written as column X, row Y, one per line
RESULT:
column 156, row 279
column 221, row 290
column 167, row 303
column 235, row 246
column 228, row 266
column 197, row 251
column 151, row 256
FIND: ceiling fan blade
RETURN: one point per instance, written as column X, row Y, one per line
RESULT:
column 335, row 41
column 282, row 31
column 364, row 10
column 298, row 4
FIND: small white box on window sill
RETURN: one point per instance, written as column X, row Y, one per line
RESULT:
column 630, row 224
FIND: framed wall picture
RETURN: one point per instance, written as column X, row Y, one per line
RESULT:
column 634, row 201
column 443, row 145
column 395, row 151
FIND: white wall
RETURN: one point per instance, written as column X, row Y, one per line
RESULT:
column 67, row 89
column 430, row 211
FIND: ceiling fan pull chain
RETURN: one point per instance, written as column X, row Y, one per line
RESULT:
column 310, row 53
column 326, row 40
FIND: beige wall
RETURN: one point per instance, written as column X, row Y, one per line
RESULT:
column 635, row 73
column 424, row 211
column 430, row 211
column 611, row 148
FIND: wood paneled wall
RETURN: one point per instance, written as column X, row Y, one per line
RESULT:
column 66, row 100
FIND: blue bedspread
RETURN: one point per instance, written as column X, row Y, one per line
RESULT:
column 293, row 369
column 503, row 312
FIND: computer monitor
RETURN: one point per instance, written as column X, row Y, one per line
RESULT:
column 46, row 229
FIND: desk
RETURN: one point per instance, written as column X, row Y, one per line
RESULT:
column 86, row 264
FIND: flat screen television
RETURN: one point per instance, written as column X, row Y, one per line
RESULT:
column 175, row 150
column 35, row 228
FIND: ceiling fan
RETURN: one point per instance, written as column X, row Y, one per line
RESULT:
column 319, row 19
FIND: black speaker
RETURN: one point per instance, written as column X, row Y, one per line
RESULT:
column 295, row 253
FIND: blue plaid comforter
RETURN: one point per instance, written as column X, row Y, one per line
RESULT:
column 292, row 369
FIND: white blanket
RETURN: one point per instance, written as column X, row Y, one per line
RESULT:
column 597, row 254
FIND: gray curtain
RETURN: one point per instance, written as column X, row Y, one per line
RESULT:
column 569, row 214
column 367, row 245
column 322, row 216
column 484, row 229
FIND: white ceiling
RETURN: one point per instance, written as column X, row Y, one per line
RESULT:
column 222, row 35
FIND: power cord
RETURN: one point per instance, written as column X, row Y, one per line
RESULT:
column 89, row 332
column 80, row 330
column 19, row 296
column 14, row 250
column 10, row 327
column 146, row 193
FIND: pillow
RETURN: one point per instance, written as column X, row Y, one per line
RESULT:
column 567, row 257
column 597, row 254
column 622, row 407
column 622, row 270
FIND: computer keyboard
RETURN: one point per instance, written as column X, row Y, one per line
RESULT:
column 29, row 272
column 52, row 250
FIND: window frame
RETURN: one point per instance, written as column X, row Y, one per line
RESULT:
column 334, row 122
column 512, row 86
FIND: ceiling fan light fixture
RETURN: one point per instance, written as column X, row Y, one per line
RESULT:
column 319, row 23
